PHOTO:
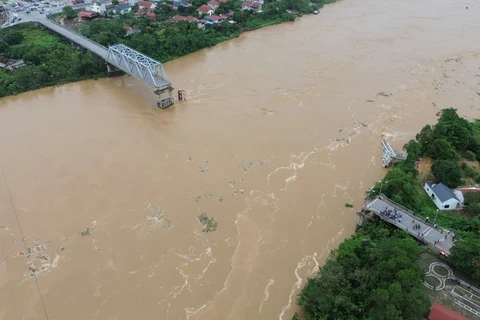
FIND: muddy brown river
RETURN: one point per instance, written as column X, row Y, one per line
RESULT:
column 100, row 192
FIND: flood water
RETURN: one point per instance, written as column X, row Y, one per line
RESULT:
column 282, row 127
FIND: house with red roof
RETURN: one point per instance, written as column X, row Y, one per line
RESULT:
column 213, row 4
column 204, row 10
column 213, row 19
column 439, row 312
column 147, row 4
column 87, row 15
column 246, row 5
column 178, row 18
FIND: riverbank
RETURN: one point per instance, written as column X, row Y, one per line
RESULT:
column 43, row 60
column 453, row 144
column 49, row 61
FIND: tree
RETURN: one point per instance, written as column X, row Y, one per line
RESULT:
column 198, row 3
column 13, row 37
column 364, row 280
column 472, row 203
column 447, row 172
column 115, row 2
column 4, row 49
column 68, row 12
column 440, row 148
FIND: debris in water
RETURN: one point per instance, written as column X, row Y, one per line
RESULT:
column 87, row 232
column 200, row 198
column 247, row 165
column 204, row 168
column 220, row 199
column 383, row 94
column 6, row 228
column 369, row 101
column 209, row 224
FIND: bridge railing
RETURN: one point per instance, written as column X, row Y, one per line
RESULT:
column 398, row 205
column 410, row 212
column 71, row 31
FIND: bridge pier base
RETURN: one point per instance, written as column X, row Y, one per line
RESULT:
column 165, row 97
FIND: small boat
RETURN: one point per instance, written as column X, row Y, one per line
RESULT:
column 316, row 12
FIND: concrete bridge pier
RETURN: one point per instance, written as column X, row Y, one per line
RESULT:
column 165, row 97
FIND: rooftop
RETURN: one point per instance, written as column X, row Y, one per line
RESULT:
column 439, row 312
column 441, row 191
column 204, row 8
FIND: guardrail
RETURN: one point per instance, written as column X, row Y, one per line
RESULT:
column 68, row 30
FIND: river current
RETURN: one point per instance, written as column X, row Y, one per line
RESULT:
column 100, row 192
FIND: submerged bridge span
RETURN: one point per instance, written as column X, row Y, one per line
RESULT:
column 123, row 58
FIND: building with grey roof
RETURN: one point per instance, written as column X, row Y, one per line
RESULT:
column 442, row 196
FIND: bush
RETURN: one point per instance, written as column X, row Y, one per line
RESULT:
column 447, row 172
column 469, row 155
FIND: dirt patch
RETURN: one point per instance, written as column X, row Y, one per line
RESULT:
column 424, row 169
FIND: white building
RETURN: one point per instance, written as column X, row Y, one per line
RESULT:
column 133, row 2
column 98, row 7
column 442, row 196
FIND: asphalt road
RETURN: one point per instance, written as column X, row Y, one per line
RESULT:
column 34, row 15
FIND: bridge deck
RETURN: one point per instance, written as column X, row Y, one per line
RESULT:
column 426, row 233
column 88, row 44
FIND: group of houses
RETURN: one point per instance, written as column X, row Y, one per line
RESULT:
column 146, row 8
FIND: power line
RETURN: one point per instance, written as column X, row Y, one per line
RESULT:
column 23, row 238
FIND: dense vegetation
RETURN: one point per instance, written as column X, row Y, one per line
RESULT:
column 48, row 59
column 372, row 275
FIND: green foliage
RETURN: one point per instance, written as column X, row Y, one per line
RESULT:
column 466, row 252
column 472, row 203
column 4, row 49
column 48, row 60
column 69, row 13
column 13, row 37
column 469, row 155
column 115, row 2
column 348, row 205
column 372, row 275
column 448, row 172
column 209, row 224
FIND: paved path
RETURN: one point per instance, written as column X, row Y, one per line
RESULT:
column 426, row 233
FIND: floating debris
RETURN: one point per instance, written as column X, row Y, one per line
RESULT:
column 383, row 94
column 87, row 232
column 238, row 191
column 204, row 168
column 209, row 224
column 205, row 196
column 247, row 165
column 6, row 228
column 38, row 261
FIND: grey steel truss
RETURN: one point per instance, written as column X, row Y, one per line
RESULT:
column 389, row 155
column 138, row 65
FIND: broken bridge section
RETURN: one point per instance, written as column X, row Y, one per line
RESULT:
column 143, row 68
column 138, row 65
column 389, row 155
